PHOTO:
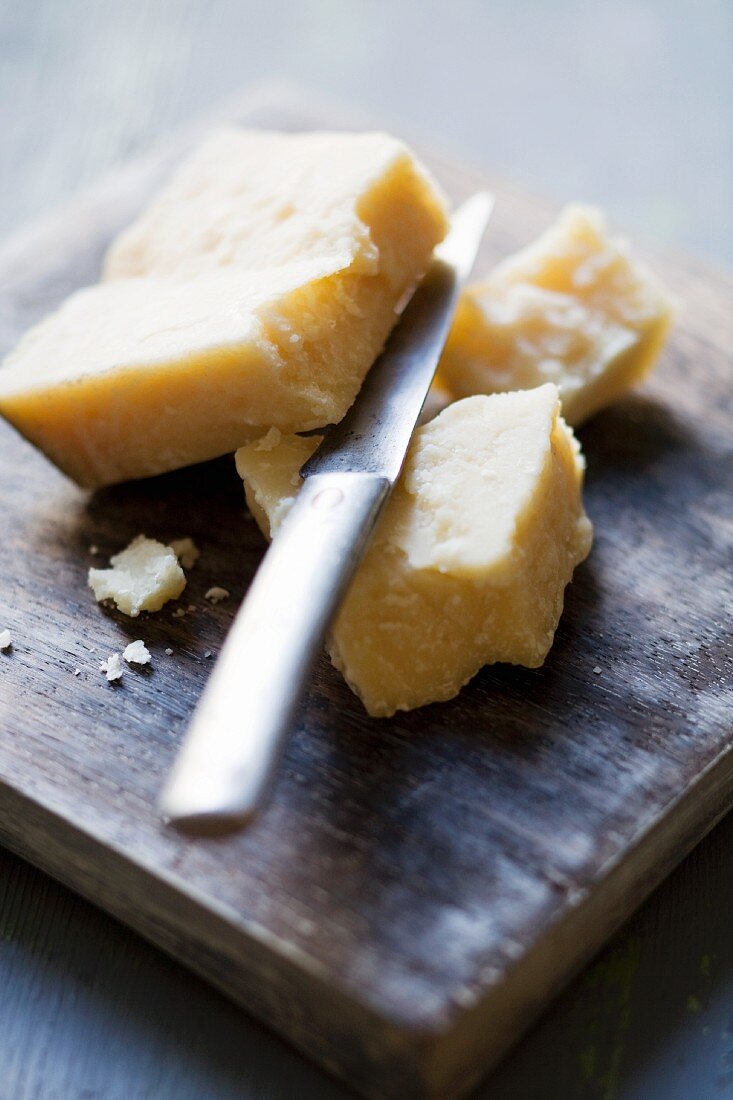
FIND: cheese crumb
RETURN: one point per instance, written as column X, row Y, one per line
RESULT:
column 207, row 654
column 94, row 550
column 142, row 577
column 597, row 670
column 112, row 667
column 186, row 551
column 137, row 653
column 179, row 613
column 6, row 639
column 169, row 652
column 77, row 671
column 216, row 594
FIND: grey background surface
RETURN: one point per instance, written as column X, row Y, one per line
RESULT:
column 621, row 102
column 624, row 103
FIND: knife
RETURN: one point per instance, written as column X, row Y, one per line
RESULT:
column 230, row 753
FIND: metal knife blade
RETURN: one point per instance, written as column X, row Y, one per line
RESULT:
column 374, row 435
column 230, row 752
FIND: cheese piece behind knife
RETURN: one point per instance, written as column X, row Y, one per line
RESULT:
column 470, row 557
column 574, row 308
column 256, row 290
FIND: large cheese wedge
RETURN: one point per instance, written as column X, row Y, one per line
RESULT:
column 471, row 556
column 256, row 290
column 573, row 308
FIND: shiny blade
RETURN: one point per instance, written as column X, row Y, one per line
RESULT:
column 374, row 435
column 230, row 754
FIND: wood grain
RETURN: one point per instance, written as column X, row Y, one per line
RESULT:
column 419, row 886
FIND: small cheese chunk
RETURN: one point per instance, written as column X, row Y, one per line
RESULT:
column 142, row 577
column 216, row 594
column 574, row 309
column 112, row 667
column 257, row 289
column 6, row 639
column 470, row 557
column 186, row 551
column 137, row 653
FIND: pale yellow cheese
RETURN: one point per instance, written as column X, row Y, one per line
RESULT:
column 186, row 551
column 574, row 308
column 142, row 577
column 471, row 556
column 256, row 290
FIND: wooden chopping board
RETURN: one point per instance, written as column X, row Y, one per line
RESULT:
column 420, row 886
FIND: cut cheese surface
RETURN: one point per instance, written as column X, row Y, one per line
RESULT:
column 471, row 556
column 573, row 309
column 256, row 290
column 254, row 199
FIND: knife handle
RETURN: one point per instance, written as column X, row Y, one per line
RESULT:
column 234, row 741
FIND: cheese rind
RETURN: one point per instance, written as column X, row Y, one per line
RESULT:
column 142, row 577
column 256, row 290
column 469, row 560
column 574, row 308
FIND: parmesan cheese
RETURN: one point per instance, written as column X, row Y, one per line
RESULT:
column 142, row 577
column 471, row 555
column 137, row 653
column 186, row 551
column 112, row 667
column 256, row 289
column 575, row 309
column 216, row 594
